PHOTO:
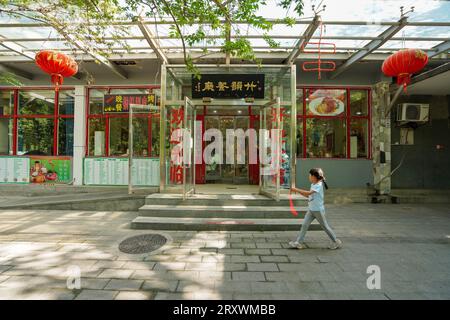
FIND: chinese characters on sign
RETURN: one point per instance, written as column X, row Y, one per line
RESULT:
column 176, row 122
column 284, row 157
column 121, row 103
column 228, row 86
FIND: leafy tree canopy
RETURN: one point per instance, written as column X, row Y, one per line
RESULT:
column 87, row 24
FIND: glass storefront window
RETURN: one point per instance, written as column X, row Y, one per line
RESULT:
column 155, row 136
column 96, row 101
column 331, row 131
column 299, row 102
column 299, row 139
column 359, row 102
column 6, row 136
column 286, row 132
column 118, row 138
column 66, row 102
column 36, row 122
column 6, row 103
column 37, row 102
column 326, row 138
column 325, row 102
column 359, row 143
column 65, row 137
column 96, row 131
column 115, row 134
column 35, row 136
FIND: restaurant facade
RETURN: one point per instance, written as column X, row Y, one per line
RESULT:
column 79, row 135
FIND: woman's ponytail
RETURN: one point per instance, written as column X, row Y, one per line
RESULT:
column 325, row 183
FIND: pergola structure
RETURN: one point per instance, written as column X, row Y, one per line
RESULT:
column 149, row 40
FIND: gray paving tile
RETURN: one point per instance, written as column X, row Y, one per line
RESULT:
column 116, row 273
column 269, row 287
column 93, row 283
column 248, row 276
column 124, row 285
column 160, row 285
column 274, row 259
column 135, row 295
column 243, row 259
column 96, row 295
column 232, row 286
column 262, row 267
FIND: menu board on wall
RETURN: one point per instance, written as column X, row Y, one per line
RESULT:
column 14, row 170
column 114, row 171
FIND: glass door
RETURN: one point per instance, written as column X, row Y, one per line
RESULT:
column 227, row 171
column 241, row 169
column 270, row 137
column 188, row 148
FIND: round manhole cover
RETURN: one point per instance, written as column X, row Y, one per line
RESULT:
column 143, row 243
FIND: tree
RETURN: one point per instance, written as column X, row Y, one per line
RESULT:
column 86, row 24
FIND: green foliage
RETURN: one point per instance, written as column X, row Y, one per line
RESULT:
column 86, row 24
column 272, row 43
column 9, row 79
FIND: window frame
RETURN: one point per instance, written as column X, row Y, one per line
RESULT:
column 108, row 116
column 15, row 116
column 347, row 117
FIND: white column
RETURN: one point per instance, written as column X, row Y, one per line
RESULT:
column 79, row 134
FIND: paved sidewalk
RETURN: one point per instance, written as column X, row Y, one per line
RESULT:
column 410, row 244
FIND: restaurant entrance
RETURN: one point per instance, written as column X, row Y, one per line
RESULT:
column 223, row 119
column 256, row 106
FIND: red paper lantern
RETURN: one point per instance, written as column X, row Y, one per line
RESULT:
column 403, row 64
column 57, row 64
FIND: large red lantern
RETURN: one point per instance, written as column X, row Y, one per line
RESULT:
column 403, row 64
column 57, row 64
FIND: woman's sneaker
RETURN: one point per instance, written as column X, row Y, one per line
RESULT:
column 335, row 245
column 297, row 245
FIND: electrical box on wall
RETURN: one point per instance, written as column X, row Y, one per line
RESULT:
column 413, row 112
column 406, row 136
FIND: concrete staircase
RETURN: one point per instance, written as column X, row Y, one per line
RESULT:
column 249, row 212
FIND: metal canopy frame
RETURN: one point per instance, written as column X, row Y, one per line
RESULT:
column 370, row 47
column 152, row 40
column 14, row 49
column 149, row 45
column 307, row 35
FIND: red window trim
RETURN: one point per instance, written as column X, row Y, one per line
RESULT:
column 15, row 116
column 108, row 116
column 347, row 117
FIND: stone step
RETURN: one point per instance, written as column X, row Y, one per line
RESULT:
column 219, row 224
column 226, row 211
column 223, row 199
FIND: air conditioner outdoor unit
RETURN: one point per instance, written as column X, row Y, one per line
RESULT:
column 413, row 112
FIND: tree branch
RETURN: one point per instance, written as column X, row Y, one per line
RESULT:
column 178, row 28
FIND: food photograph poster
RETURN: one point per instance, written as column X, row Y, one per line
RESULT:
column 325, row 102
column 50, row 169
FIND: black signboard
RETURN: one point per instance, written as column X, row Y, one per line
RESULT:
column 117, row 103
column 229, row 86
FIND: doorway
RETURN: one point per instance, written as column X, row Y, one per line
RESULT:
column 274, row 107
column 224, row 118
